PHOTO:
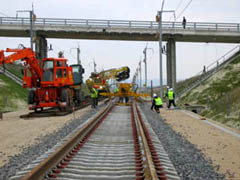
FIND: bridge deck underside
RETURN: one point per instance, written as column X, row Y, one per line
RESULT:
column 133, row 34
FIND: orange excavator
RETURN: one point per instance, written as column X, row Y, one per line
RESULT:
column 52, row 83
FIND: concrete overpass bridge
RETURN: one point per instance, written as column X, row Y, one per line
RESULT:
column 121, row 30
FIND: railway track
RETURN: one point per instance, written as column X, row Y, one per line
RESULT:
column 117, row 143
column 54, row 111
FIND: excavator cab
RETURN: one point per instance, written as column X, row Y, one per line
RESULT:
column 48, row 70
column 56, row 72
column 78, row 71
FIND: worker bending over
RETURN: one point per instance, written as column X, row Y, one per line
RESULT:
column 171, row 97
column 94, row 97
column 156, row 103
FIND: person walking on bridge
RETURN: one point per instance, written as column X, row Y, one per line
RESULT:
column 171, row 97
column 184, row 22
column 156, row 103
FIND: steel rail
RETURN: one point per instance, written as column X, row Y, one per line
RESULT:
column 206, row 26
column 150, row 170
column 39, row 172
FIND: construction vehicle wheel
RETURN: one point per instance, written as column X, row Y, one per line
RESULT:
column 31, row 95
column 79, row 96
column 66, row 97
column 70, row 102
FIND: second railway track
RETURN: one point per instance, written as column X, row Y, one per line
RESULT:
column 116, row 144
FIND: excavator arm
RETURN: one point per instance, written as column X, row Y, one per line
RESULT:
column 26, row 55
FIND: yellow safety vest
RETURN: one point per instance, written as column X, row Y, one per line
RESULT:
column 170, row 95
column 94, row 94
column 158, row 101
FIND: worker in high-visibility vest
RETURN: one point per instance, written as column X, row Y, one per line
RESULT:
column 171, row 97
column 116, row 90
column 94, row 97
column 156, row 103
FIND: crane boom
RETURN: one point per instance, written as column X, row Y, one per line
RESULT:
column 99, row 80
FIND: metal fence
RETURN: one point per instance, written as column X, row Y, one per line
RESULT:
column 206, row 26
column 211, row 69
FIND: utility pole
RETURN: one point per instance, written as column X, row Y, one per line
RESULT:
column 140, row 70
column 145, row 61
column 32, row 19
column 159, row 19
column 78, row 54
column 95, row 66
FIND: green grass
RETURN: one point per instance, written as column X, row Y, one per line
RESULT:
column 221, row 97
column 16, row 69
column 10, row 94
column 183, row 84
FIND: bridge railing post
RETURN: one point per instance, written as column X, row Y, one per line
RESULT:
column 194, row 25
column 86, row 22
column 108, row 23
column 0, row 20
column 65, row 21
column 216, row 26
column 22, row 21
column 130, row 23
column 238, row 27
column 44, row 21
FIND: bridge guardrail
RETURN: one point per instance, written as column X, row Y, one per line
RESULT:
column 206, row 26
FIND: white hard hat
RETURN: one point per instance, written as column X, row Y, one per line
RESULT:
column 154, row 95
column 171, row 89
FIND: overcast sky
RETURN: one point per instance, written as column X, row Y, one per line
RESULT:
column 191, row 57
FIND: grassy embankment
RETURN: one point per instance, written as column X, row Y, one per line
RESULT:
column 12, row 95
column 220, row 95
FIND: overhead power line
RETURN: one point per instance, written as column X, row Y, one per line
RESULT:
column 178, row 5
column 184, row 8
column 4, row 14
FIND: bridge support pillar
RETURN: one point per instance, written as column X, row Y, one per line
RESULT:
column 171, row 63
column 41, row 47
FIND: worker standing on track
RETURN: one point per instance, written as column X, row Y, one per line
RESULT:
column 94, row 97
column 171, row 97
column 156, row 103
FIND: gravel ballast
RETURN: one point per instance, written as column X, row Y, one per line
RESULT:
column 187, row 159
column 45, row 143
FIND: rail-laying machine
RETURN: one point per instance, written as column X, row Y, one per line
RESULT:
column 100, row 82
column 52, row 83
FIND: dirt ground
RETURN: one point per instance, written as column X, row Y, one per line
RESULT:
column 221, row 147
column 16, row 132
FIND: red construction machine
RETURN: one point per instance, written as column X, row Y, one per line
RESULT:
column 52, row 83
